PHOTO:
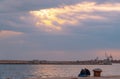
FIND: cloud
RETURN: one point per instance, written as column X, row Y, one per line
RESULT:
column 7, row 33
column 16, row 22
column 46, row 29
column 59, row 17
column 52, row 19
column 27, row 5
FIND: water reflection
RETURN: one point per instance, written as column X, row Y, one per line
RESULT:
column 44, row 71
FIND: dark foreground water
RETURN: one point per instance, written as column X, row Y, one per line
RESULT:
column 27, row 71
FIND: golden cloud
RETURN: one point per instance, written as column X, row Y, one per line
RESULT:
column 7, row 33
column 55, row 18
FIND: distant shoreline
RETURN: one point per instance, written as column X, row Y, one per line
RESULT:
column 44, row 62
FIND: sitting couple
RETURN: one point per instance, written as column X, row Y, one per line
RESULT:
column 84, row 73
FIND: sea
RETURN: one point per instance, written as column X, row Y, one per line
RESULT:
column 47, row 71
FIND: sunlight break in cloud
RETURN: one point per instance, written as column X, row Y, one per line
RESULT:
column 55, row 18
column 7, row 33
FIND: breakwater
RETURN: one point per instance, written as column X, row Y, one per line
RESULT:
column 88, row 62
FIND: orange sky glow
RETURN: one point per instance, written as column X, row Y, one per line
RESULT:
column 52, row 19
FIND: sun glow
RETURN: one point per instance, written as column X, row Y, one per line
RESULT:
column 54, row 19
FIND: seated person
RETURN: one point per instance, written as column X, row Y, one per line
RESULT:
column 87, row 72
column 82, row 73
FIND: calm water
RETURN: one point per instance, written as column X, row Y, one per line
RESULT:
column 27, row 71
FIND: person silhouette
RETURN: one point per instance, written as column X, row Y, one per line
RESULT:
column 82, row 73
column 87, row 72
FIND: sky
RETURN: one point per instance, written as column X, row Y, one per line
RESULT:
column 59, row 29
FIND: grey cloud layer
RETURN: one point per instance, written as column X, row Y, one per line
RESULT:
column 90, row 35
column 13, row 9
column 27, row 5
